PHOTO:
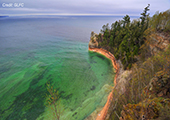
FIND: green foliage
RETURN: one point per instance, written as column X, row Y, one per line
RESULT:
column 144, row 20
column 156, row 68
column 161, row 21
column 105, row 27
column 147, row 109
column 126, row 20
column 130, row 41
column 51, row 99
column 124, row 38
column 92, row 39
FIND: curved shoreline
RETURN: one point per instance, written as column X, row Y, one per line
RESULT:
column 103, row 112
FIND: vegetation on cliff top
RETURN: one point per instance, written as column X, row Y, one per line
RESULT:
column 141, row 45
column 149, row 84
column 125, row 38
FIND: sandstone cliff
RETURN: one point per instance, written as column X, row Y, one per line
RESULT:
column 155, row 96
column 154, row 100
column 93, row 40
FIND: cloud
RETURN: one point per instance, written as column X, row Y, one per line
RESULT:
column 132, row 7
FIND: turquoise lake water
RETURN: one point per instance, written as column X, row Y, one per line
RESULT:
column 34, row 51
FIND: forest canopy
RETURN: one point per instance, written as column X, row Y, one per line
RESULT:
column 125, row 38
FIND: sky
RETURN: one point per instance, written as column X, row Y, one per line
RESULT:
column 81, row 7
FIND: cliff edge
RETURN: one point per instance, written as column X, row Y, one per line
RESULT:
column 152, row 100
column 142, row 50
column 93, row 40
column 119, row 80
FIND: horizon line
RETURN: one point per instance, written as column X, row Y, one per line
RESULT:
column 67, row 14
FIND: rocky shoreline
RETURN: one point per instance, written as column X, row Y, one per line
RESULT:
column 102, row 114
column 120, row 80
column 123, row 76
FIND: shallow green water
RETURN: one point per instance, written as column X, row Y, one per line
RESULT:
column 28, row 62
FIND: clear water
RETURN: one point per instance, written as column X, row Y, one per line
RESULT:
column 34, row 51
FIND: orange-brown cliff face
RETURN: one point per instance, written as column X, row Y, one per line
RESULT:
column 147, row 108
column 158, row 42
column 93, row 46
column 93, row 40
column 103, row 112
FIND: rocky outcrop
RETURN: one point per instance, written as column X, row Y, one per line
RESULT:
column 102, row 114
column 155, row 93
column 119, row 81
column 123, row 76
column 155, row 108
column 93, row 40
column 159, row 85
column 158, row 42
column 156, row 103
